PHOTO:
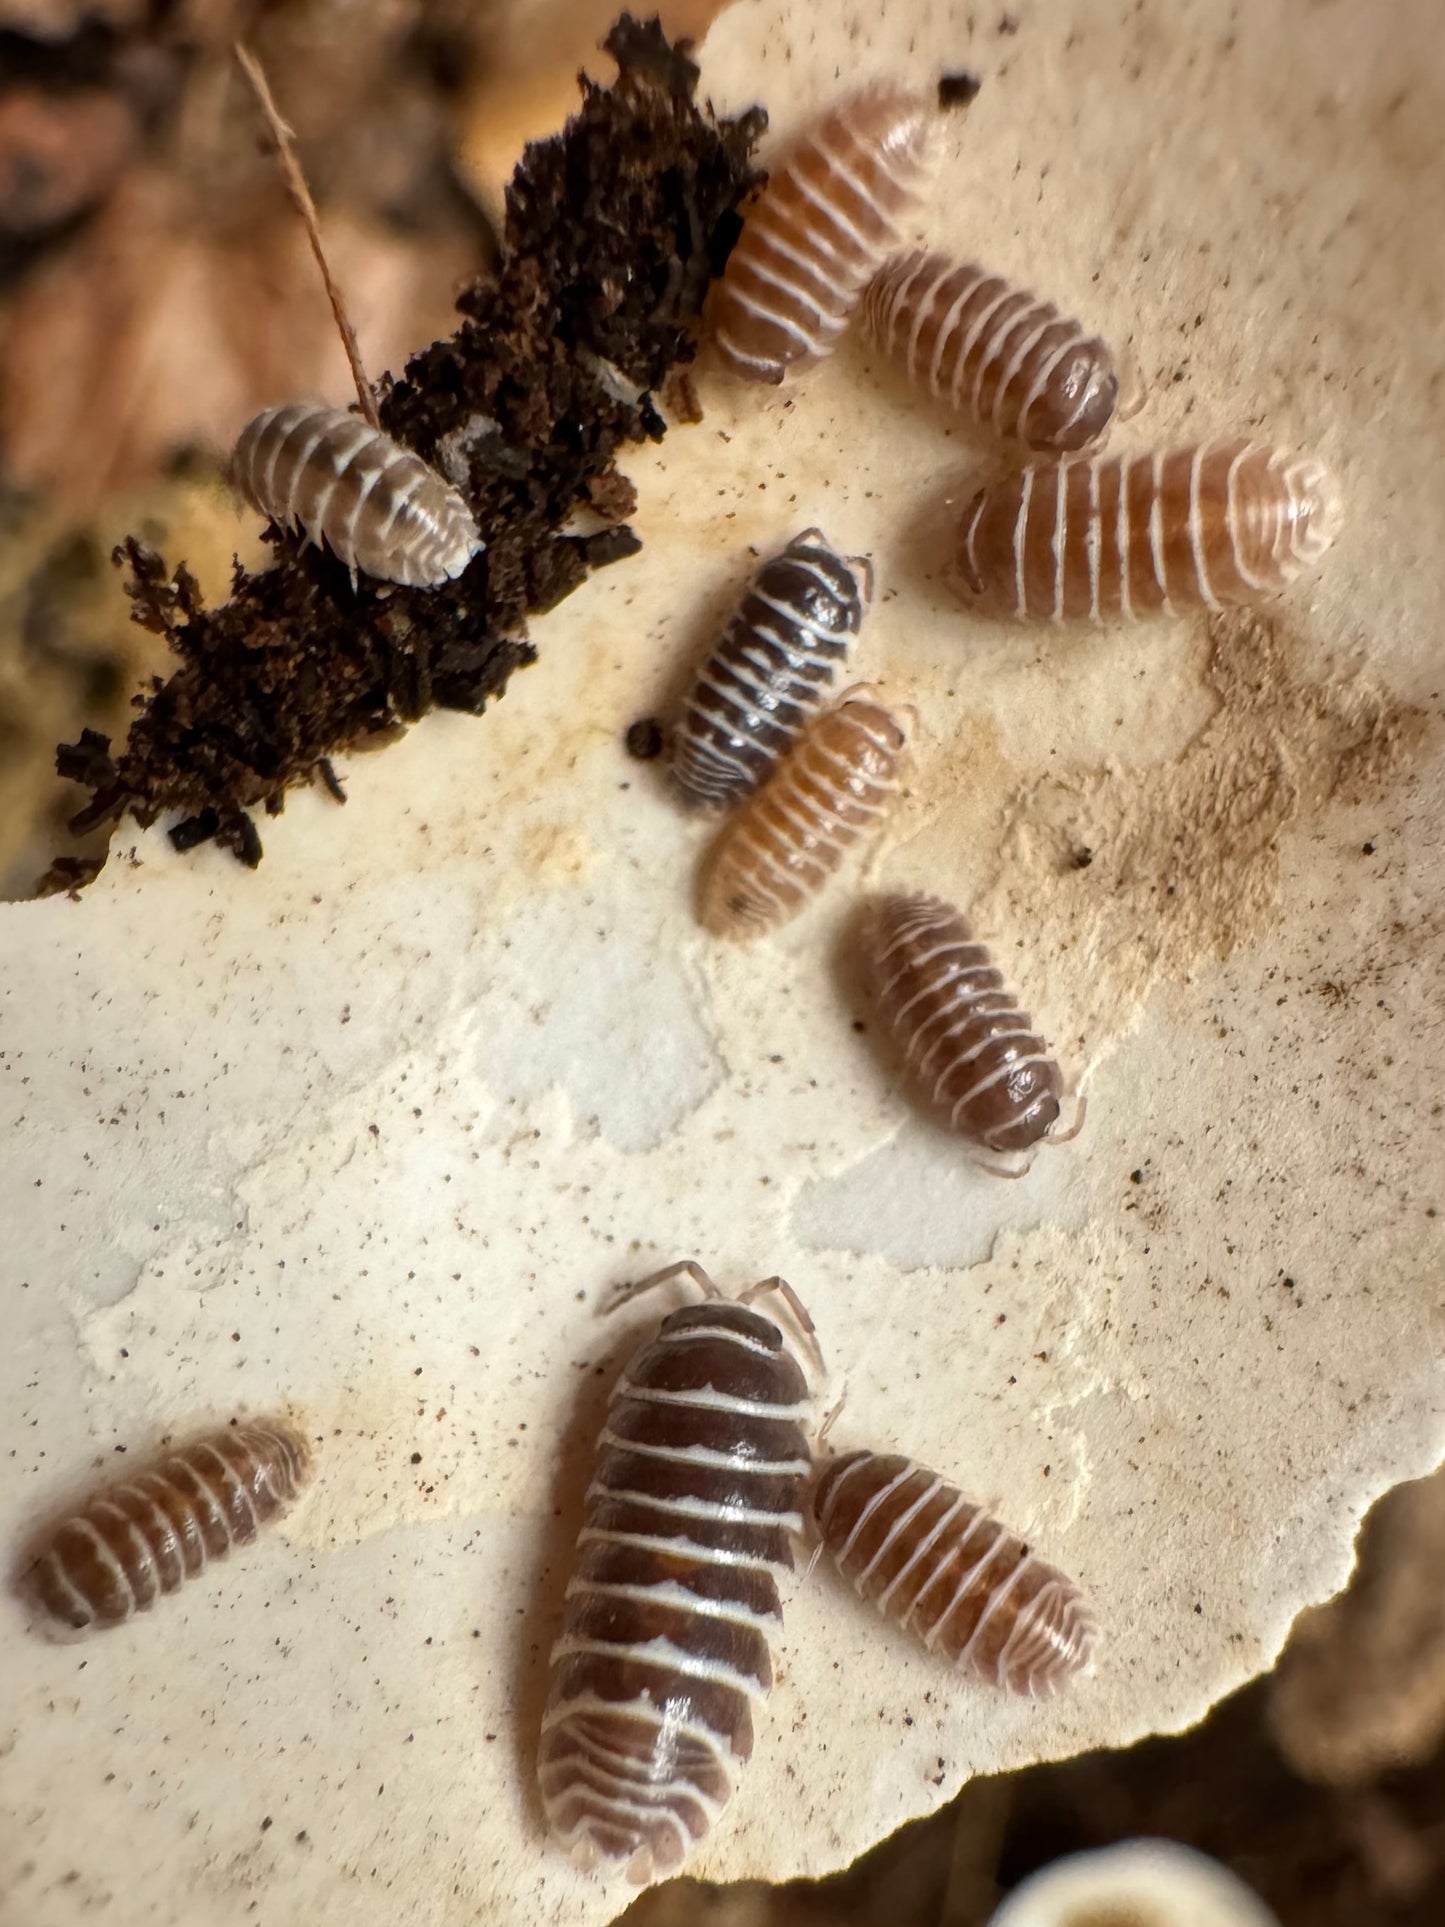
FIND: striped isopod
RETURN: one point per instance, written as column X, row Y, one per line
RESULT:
column 821, row 227
column 788, row 838
column 769, row 669
column 993, row 352
column 964, row 1043
column 965, row 1585
column 673, row 1603
column 333, row 476
column 1213, row 526
column 142, row 1536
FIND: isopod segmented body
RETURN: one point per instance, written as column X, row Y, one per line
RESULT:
column 821, row 227
column 666, row 1647
column 144, row 1535
column 770, row 669
column 964, row 1043
column 340, row 481
column 992, row 352
column 965, row 1585
column 1218, row 525
column 779, row 848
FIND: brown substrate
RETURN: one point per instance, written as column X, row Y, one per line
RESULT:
column 614, row 228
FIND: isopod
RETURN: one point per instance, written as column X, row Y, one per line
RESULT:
column 820, row 229
column 144, row 1535
column 788, row 838
column 964, row 1043
column 965, row 1585
column 991, row 351
column 673, row 1604
column 769, row 669
column 377, row 505
column 1214, row 526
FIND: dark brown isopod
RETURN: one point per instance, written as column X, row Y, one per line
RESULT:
column 144, row 1535
column 991, row 351
column 340, row 481
column 965, row 1585
column 821, row 227
column 1216, row 526
column 673, row 1604
column 964, row 1044
column 769, row 670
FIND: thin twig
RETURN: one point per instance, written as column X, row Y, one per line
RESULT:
column 306, row 207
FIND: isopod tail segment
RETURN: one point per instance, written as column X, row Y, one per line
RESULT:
column 874, row 692
column 1024, row 1160
column 690, row 1269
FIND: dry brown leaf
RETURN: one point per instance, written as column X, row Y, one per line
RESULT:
column 190, row 300
column 51, row 20
column 59, row 154
column 171, row 333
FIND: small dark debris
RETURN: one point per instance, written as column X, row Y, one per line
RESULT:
column 1082, row 858
column 640, row 47
column 957, row 90
column 643, row 740
column 1008, row 23
column 416, row 1458
column 613, row 495
column 680, row 397
column 69, row 875
column 1136, row 1177
column 248, row 844
column 614, row 229
column 610, row 545
column 87, row 762
column 192, row 830
column 1367, row 849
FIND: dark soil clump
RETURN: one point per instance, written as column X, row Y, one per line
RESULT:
column 614, row 229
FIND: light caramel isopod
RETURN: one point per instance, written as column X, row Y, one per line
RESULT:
column 1218, row 525
column 820, row 229
column 782, row 844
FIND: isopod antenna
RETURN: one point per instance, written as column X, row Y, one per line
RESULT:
column 301, row 194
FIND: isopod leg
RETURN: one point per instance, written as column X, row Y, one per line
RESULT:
column 795, row 1304
column 1133, row 392
column 684, row 1268
column 1081, row 1107
column 862, row 567
column 831, row 1417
